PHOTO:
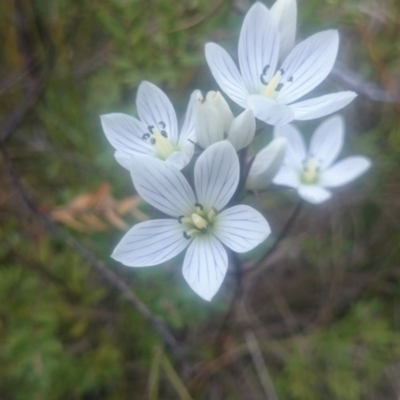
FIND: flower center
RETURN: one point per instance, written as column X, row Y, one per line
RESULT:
column 159, row 139
column 272, row 88
column 199, row 222
column 309, row 175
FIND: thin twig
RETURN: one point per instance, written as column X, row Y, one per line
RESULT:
column 175, row 380
column 261, row 368
column 34, row 72
column 354, row 81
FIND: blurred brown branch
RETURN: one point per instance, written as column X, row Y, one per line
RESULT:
column 110, row 277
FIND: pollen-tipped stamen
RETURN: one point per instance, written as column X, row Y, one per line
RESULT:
column 310, row 173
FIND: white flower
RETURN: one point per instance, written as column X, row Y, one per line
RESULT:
column 273, row 93
column 199, row 220
column 156, row 133
column 284, row 13
column 266, row 164
column 311, row 172
column 215, row 122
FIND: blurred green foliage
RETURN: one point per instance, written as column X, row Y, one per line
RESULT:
column 64, row 334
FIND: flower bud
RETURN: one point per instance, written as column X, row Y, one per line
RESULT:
column 213, row 119
column 266, row 164
column 242, row 130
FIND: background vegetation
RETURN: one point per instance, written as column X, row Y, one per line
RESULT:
column 318, row 319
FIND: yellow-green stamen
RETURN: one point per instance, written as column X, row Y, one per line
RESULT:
column 164, row 148
column 200, row 222
column 270, row 89
column 310, row 173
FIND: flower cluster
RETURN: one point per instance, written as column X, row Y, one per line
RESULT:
column 203, row 212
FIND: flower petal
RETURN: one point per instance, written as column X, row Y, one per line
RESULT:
column 242, row 130
column 321, row 106
column 208, row 122
column 266, row 164
column 308, row 64
column 181, row 158
column 162, row 185
column 287, row 176
column 284, row 13
column 313, row 194
column 226, row 73
column 296, row 148
column 241, row 228
column 216, row 175
column 155, row 109
column 345, row 171
column 188, row 127
column 151, row 243
column 327, row 141
column 123, row 159
column 205, row 266
column 258, row 47
column 270, row 111
column 125, row 134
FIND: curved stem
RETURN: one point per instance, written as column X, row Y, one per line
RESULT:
column 235, row 297
column 282, row 234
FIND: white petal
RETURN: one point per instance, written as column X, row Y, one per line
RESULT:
column 284, row 13
column 226, row 73
column 313, row 194
column 270, row 111
column 258, row 47
column 321, row 106
column 151, row 243
column 216, row 175
column 327, row 141
column 222, row 107
column 287, row 176
column 241, row 228
column 188, row 128
column 344, row 171
column 208, row 122
column 123, row 159
column 242, row 130
column 205, row 266
column 162, row 185
column 155, row 108
column 181, row 158
column 266, row 164
column 308, row 64
column 296, row 149
column 125, row 134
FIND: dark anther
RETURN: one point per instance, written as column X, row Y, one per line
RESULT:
column 150, row 128
column 153, row 141
column 279, row 86
column 164, row 133
column 263, row 81
column 290, row 79
column 266, row 68
column 180, row 219
column 186, row 236
column 162, row 124
column 146, row 136
column 198, row 205
column 281, row 70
